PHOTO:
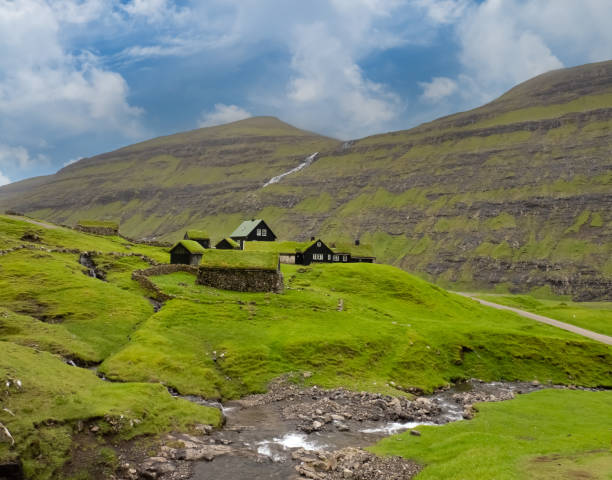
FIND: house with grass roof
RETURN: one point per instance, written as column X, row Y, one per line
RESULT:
column 187, row 252
column 199, row 236
column 227, row 244
column 98, row 227
column 254, row 230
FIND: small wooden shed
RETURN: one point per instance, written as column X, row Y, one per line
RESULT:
column 227, row 244
column 198, row 236
column 186, row 252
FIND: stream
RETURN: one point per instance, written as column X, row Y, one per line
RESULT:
column 267, row 436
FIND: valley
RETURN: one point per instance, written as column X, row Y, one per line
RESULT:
column 98, row 374
column 513, row 196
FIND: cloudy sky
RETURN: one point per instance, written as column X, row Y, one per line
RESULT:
column 81, row 77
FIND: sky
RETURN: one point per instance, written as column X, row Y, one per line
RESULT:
column 82, row 77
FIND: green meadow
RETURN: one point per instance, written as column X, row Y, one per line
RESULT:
column 549, row 434
column 361, row 326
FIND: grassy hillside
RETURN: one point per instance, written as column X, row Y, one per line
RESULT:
column 357, row 325
column 543, row 435
column 514, row 195
column 596, row 316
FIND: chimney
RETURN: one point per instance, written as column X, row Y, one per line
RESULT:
column 312, row 239
column 357, row 242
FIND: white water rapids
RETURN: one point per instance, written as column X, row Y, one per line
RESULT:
column 309, row 159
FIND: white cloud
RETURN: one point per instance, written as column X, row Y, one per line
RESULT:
column 4, row 180
column 438, row 88
column 443, row 11
column 223, row 114
column 48, row 89
column 19, row 157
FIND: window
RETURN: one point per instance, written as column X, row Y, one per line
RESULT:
column 344, row 258
column 329, row 256
column 259, row 232
column 336, row 258
column 318, row 244
column 264, row 232
column 317, row 256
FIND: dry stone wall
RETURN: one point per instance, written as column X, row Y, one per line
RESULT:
column 142, row 277
column 241, row 279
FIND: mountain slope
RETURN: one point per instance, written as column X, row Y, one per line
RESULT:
column 515, row 194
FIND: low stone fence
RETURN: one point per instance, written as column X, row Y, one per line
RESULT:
column 241, row 279
column 98, row 230
column 142, row 278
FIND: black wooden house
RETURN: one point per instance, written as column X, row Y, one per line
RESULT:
column 187, row 252
column 255, row 230
column 318, row 252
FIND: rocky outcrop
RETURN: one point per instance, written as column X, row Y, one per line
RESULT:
column 353, row 463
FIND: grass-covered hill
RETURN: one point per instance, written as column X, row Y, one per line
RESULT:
column 362, row 326
column 515, row 194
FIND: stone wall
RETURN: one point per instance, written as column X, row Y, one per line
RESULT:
column 97, row 230
column 142, row 278
column 241, row 279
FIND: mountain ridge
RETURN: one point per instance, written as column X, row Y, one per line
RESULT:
column 512, row 195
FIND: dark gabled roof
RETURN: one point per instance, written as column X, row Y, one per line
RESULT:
column 246, row 227
column 197, row 235
column 311, row 244
column 191, row 246
column 230, row 241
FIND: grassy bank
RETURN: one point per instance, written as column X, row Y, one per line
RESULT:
column 43, row 400
column 543, row 435
column 356, row 325
column 595, row 316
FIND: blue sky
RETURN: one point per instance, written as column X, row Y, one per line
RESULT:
column 82, row 77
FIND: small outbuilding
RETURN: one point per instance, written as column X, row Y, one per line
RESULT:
column 227, row 244
column 187, row 252
column 198, row 236
column 253, row 230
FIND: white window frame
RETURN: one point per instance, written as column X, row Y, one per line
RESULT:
column 344, row 258
column 329, row 256
column 264, row 232
column 318, row 244
column 317, row 256
column 336, row 258
column 259, row 232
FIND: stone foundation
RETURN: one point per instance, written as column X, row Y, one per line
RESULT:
column 241, row 279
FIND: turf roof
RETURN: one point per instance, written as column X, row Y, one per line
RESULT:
column 231, row 242
column 192, row 246
column 197, row 235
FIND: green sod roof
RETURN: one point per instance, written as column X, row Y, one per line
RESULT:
column 231, row 242
column 239, row 259
column 192, row 246
column 245, row 228
column 197, row 235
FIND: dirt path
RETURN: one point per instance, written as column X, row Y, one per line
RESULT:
column 34, row 222
column 539, row 318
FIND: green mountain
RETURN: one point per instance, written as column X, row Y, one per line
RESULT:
column 515, row 195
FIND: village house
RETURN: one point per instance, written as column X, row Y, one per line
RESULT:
column 227, row 244
column 255, row 230
column 318, row 252
column 198, row 236
column 187, row 252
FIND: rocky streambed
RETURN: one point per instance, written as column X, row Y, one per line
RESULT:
column 295, row 433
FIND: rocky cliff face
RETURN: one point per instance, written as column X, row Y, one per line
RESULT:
column 515, row 194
